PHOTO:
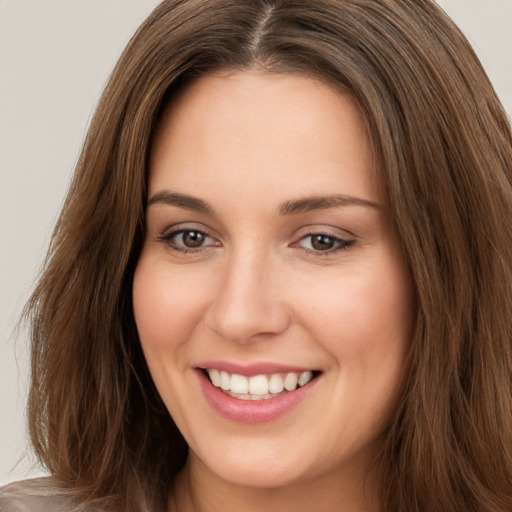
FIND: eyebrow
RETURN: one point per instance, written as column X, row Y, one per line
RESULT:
column 182, row 201
column 292, row 207
column 309, row 204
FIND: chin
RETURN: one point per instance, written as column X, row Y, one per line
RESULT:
column 271, row 477
column 260, row 467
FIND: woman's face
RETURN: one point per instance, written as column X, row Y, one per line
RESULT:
column 269, row 259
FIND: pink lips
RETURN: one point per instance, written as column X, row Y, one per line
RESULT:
column 251, row 411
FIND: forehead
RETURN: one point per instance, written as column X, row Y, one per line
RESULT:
column 281, row 131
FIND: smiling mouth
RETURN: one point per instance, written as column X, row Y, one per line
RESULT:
column 259, row 387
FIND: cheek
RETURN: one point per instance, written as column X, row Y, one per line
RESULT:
column 360, row 310
column 365, row 322
column 166, row 304
column 165, row 307
column 366, row 327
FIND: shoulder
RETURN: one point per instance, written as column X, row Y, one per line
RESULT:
column 37, row 495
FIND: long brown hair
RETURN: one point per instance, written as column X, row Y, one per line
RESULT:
column 444, row 150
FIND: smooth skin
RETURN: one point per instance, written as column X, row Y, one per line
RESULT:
column 268, row 241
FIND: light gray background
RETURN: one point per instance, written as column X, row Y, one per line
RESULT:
column 55, row 56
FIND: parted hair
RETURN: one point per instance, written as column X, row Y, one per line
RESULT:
column 443, row 148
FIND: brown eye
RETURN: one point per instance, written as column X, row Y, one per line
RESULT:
column 186, row 240
column 321, row 243
column 193, row 239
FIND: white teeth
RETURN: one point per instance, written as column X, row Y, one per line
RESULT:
column 290, row 382
column 225, row 381
column 275, row 384
column 215, row 377
column 258, row 387
column 239, row 384
column 304, row 378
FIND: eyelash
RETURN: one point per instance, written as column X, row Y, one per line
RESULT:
column 167, row 238
column 340, row 244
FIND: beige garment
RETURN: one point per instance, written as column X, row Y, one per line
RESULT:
column 37, row 495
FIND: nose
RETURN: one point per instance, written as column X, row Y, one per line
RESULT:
column 249, row 301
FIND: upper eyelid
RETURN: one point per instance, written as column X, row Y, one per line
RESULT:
column 186, row 226
column 319, row 229
column 174, row 232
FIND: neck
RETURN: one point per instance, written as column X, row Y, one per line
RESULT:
column 196, row 489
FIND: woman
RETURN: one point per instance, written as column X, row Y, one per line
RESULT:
column 281, row 278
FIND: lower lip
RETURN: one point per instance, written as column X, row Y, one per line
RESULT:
column 252, row 411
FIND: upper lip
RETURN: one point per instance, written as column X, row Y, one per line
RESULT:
column 251, row 369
